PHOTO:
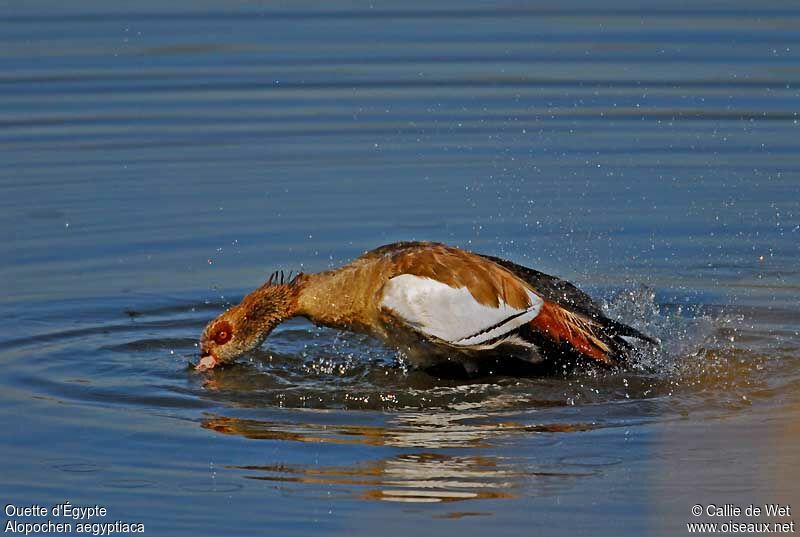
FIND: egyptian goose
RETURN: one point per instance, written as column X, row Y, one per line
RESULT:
column 436, row 303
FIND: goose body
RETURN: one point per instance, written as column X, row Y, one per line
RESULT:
column 438, row 304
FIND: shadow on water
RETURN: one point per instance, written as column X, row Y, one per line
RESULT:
column 433, row 456
column 421, row 472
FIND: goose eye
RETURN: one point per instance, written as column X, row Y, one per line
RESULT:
column 223, row 334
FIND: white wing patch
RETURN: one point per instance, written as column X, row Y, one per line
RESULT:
column 452, row 313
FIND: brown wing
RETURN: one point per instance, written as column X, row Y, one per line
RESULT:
column 487, row 282
column 569, row 318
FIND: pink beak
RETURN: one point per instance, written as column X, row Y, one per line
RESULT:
column 207, row 361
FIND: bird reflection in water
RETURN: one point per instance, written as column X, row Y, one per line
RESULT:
column 424, row 474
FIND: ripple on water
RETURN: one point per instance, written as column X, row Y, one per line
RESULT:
column 304, row 385
column 146, row 360
column 420, row 477
column 128, row 484
column 74, row 466
column 591, row 461
column 215, row 487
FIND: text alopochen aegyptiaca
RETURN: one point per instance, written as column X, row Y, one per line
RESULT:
column 436, row 303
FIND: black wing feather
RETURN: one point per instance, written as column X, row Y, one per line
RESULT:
column 570, row 297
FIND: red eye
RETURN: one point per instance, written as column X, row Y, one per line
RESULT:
column 223, row 333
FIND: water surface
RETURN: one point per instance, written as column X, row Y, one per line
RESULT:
column 158, row 161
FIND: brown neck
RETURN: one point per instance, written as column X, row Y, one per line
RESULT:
column 266, row 307
column 341, row 298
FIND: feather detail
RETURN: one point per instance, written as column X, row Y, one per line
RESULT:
column 579, row 331
column 453, row 314
column 488, row 283
column 279, row 277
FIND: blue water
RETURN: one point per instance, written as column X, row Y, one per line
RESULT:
column 158, row 160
